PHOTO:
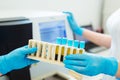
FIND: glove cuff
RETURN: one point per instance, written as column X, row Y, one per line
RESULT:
column 79, row 31
column 3, row 65
column 111, row 66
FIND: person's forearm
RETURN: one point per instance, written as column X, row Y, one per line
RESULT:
column 98, row 38
column 118, row 72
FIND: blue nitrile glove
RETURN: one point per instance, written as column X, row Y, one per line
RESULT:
column 74, row 26
column 91, row 64
column 118, row 79
column 16, row 59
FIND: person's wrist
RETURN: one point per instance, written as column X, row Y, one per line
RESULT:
column 4, row 65
column 111, row 66
column 79, row 31
column 82, row 30
column 0, row 74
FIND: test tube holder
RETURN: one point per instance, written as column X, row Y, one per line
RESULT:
column 54, row 53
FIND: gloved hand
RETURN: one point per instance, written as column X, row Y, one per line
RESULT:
column 74, row 26
column 16, row 59
column 91, row 64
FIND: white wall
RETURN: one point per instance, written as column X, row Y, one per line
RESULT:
column 85, row 11
column 109, row 7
